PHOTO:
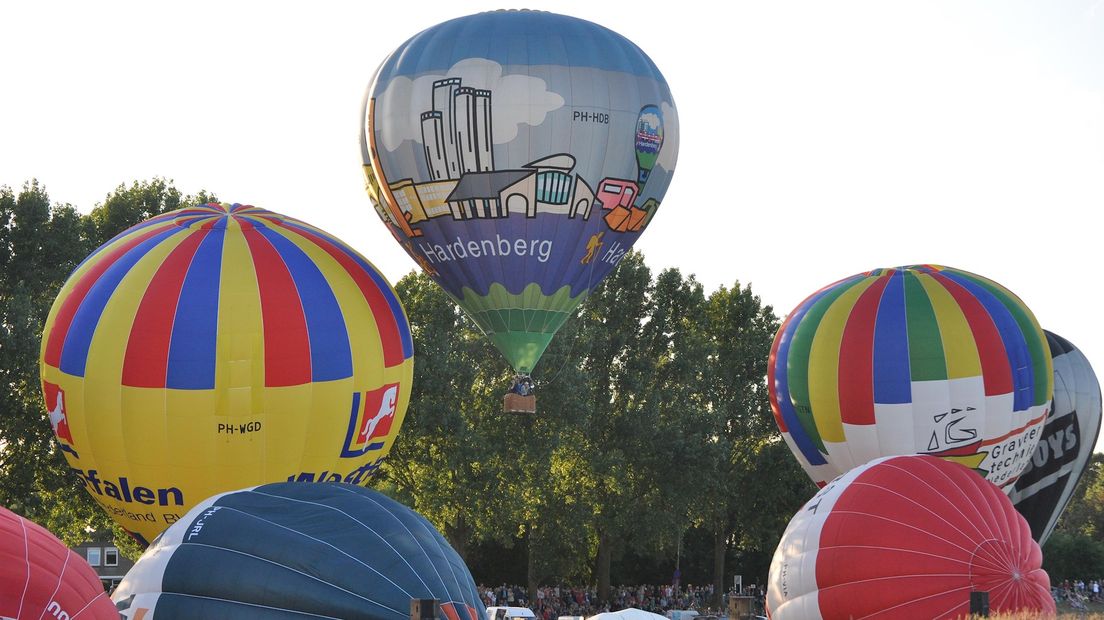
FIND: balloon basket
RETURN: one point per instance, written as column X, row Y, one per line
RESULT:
column 516, row 403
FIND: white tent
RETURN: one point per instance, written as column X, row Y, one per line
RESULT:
column 631, row 613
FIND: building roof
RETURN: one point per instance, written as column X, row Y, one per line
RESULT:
column 560, row 161
column 486, row 184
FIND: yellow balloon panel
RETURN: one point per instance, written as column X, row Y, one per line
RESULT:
column 220, row 347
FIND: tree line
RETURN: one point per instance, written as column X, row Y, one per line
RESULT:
column 653, row 447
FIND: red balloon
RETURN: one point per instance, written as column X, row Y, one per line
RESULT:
column 42, row 578
column 906, row 537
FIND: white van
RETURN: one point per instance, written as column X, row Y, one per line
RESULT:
column 510, row 613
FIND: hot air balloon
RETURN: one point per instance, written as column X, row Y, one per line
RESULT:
column 517, row 156
column 906, row 537
column 219, row 346
column 42, row 578
column 1067, row 444
column 284, row 550
column 913, row 360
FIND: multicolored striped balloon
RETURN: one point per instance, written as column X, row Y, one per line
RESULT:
column 220, row 346
column 921, row 359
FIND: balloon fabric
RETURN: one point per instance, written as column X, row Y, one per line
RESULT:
column 42, row 578
column 219, row 346
column 298, row 550
column 913, row 360
column 517, row 156
column 1072, row 428
column 906, row 537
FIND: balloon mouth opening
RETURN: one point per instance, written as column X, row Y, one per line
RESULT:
column 994, row 560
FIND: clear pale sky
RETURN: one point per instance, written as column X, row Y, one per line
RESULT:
column 818, row 139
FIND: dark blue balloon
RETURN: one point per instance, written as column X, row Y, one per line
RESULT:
column 298, row 550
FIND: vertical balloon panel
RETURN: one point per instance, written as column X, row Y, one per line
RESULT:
column 220, row 346
column 1068, row 440
column 517, row 156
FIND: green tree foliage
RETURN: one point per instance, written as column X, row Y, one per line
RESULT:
column 1084, row 514
column 1076, row 547
column 1073, row 556
column 750, row 484
column 40, row 244
column 439, row 462
column 126, row 206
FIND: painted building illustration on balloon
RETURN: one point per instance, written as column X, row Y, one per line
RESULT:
column 462, row 182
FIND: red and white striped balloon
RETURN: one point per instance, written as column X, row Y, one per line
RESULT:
column 906, row 537
column 42, row 578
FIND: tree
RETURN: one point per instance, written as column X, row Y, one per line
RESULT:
column 439, row 460
column 606, row 479
column 1084, row 514
column 1073, row 556
column 752, row 486
column 126, row 206
column 40, row 245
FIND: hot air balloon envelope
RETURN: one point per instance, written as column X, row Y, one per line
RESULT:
column 219, row 346
column 906, row 537
column 42, row 578
column 517, row 156
column 913, row 360
column 1046, row 485
column 295, row 550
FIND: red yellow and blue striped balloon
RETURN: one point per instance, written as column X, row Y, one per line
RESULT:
column 217, row 347
column 914, row 360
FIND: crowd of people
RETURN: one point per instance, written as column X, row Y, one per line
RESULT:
column 551, row 602
column 1078, row 592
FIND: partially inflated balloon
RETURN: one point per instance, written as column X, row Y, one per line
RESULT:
column 295, row 550
column 1046, row 485
column 219, row 346
column 41, row 578
column 517, row 156
column 906, row 537
column 922, row 359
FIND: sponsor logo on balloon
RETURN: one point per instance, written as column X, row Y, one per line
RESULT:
column 59, row 421
column 121, row 490
column 55, row 610
column 1007, row 458
column 360, row 475
column 371, row 417
column 1056, row 452
column 458, row 250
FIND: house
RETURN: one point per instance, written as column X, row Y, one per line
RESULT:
column 104, row 557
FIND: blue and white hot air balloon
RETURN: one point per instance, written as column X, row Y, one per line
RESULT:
column 298, row 550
